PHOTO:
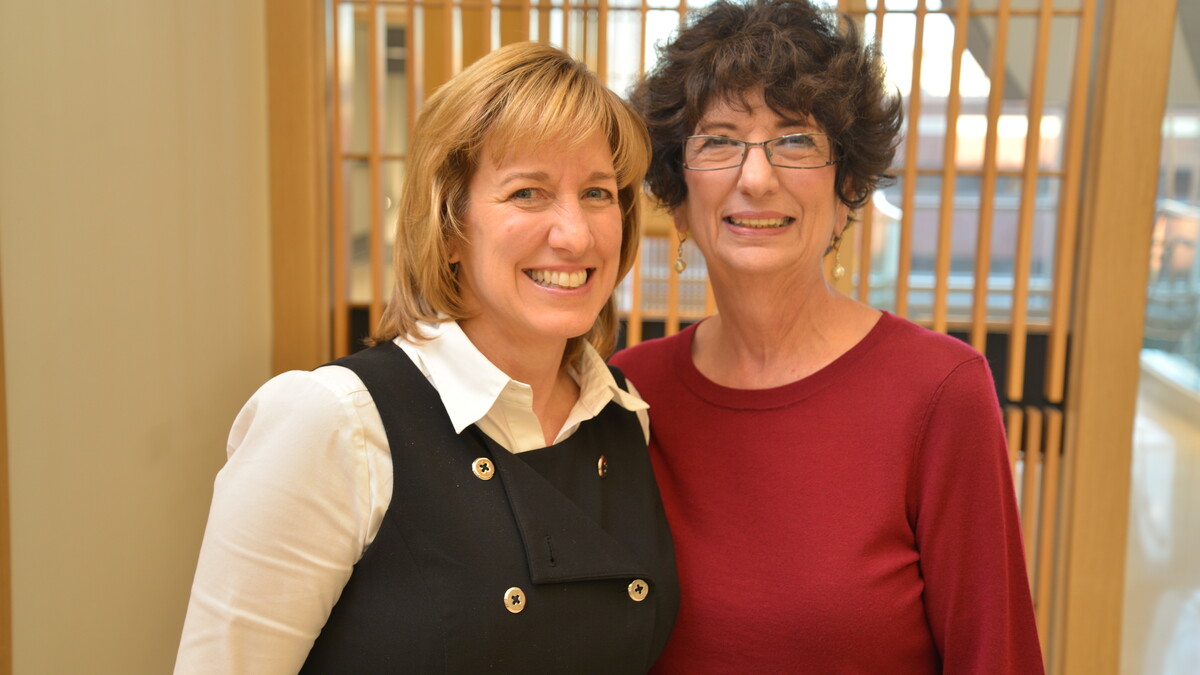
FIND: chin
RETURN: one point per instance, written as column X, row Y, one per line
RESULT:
column 567, row 327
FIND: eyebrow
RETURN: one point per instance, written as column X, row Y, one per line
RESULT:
column 709, row 125
column 543, row 176
column 525, row 175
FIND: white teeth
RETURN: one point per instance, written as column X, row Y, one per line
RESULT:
column 555, row 279
column 759, row 222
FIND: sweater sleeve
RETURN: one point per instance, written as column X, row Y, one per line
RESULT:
column 972, row 558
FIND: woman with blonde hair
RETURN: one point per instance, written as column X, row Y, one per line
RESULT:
column 472, row 493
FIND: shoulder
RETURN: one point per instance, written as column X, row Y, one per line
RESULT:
column 927, row 347
column 303, row 402
column 309, row 388
column 910, row 353
column 651, row 355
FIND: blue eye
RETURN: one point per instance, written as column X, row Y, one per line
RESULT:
column 523, row 193
column 797, row 141
column 597, row 193
column 720, row 142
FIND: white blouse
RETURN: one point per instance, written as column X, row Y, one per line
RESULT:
column 306, row 485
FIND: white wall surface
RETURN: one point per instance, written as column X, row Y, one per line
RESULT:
column 135, row 271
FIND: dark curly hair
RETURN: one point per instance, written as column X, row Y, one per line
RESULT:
column 804, row 63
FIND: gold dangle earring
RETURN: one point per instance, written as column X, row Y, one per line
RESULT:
column 680, row 264
column 838, row 270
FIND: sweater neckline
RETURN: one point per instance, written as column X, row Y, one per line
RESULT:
column 783, row 395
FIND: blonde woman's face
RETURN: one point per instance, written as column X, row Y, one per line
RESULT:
column 543, row 242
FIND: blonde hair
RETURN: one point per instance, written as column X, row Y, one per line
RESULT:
column 526, row 94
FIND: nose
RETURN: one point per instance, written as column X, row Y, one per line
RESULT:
column 757, row 176
column 571, row 233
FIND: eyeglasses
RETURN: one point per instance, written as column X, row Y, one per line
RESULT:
column 794, row 151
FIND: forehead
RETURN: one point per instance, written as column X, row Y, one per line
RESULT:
column 590, row 153
column 742, row 111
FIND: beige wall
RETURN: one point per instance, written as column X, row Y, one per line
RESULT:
column 134, row 254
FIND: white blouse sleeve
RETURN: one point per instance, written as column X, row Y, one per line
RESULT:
column 293, row 510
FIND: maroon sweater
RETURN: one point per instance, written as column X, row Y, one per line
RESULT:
column 860, row 520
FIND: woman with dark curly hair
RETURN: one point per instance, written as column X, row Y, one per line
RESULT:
column 836, row 478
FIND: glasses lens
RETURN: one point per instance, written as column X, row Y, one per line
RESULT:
column 712, row 152
column 800, row 151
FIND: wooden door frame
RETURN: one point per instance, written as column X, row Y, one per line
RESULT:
column 1120, row 189
column 297, row 118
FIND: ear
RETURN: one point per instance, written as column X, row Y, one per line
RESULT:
column 452, row 245
column 679, row 215
column 841, row 218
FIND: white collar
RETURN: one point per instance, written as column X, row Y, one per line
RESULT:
column 470, row 385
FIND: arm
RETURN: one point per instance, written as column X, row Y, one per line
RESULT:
column 291, row 514
column 968, row 532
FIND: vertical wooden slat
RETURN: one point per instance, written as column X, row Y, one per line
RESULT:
column 644, row 10
column 911, row 143
column 879, row 13
column 1017, row 335
column 1108, row 315
column 949, row 171
column 1058, row 607
column 987, row 190
column 414, row 65
column 566, row 19
column 436, row 31
column 602, row 41
column 375, row 78
column 487, row 25
column 866, row 224
column 1012, row 429
column 341, row 310
column 514, row 21
column 1048, row 526
column 1068, row 219
column 451, row 55
column 544, row 21
column 633, row 322
column 870, row 214
column 476, row 34
column 585, row 34
column 1030, row 481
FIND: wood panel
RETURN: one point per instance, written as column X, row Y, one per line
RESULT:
column 1110, row 300
column 298, row 125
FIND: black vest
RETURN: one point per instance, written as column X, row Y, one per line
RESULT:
column 546, row 533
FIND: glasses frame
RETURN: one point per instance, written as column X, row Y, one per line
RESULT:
column 746, row 145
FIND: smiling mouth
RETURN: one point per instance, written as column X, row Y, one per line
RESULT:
column 556, row 279
column 759, row 223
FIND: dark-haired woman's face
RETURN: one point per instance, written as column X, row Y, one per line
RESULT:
column 760, row 219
